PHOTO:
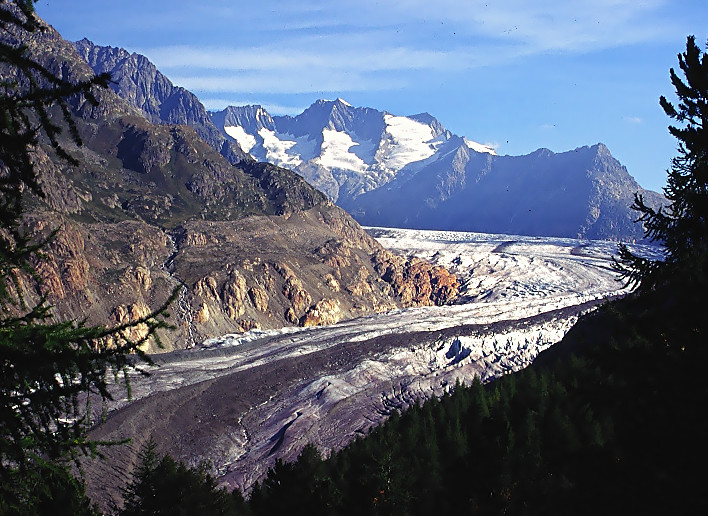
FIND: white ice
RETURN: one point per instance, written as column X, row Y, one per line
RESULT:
column 285, row 150
column 479, row 147
column 336, row 152
column 408, row 141
column 246, row 141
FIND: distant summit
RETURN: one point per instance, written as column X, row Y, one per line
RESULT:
column 409, row 171
column 583, row 193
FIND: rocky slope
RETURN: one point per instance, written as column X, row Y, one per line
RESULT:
column 152, row 207
column 411, row 172
column 140, row 83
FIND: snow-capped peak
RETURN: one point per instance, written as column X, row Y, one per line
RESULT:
column 341, row 149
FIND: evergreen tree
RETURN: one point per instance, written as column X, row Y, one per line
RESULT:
column 682, row 227
column 163, row 486
column 48, row 370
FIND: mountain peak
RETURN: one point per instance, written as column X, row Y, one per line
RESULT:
column 601, row 149
column 252, row 117
column 138, row 81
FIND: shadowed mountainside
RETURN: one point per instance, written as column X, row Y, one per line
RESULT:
column 151, row 207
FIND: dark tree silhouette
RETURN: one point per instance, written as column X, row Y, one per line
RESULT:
column 48, row 370
column 162, row 485
column 682, row 227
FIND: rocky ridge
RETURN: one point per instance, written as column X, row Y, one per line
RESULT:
column 136, row 80
column 583, row 193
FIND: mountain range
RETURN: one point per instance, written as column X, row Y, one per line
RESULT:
column 342, row 150
column 161, row 200
column 409, row 171
column 400, row 171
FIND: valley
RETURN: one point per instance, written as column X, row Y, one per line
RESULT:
column 241, row 401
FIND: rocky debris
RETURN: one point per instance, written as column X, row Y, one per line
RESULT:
column 251, row 403
column 324, row 312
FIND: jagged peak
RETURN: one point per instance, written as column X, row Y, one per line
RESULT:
column 543, row 151
column 252, row 118
column 601, row 149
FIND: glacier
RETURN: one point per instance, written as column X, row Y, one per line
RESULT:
column 242, row 401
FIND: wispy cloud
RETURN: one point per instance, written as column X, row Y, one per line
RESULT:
column 272, row 82
column 633, row 119
column 387, row 46
column 551, row 25
column 309, row 55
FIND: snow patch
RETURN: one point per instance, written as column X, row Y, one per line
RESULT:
column 246, row 141
column 284, row 150
column 478, row 147
column 408, row 141
column 336, row 153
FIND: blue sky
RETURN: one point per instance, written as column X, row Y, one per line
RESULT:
column 518, row 74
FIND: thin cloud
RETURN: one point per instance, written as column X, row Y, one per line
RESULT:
column 387, row 44
column 274, row 83
column 269, row 58
column 633, row 119
column 550, row 25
